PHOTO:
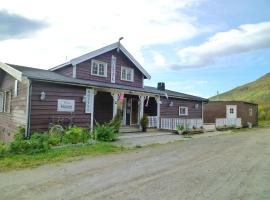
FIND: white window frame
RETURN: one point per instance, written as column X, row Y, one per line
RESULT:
column 2, row 102
column 7, row 102
column 98, row 63
column 186, row 111
column 132, row 74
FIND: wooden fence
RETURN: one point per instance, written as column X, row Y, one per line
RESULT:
column 223, row 122
column 173, row 123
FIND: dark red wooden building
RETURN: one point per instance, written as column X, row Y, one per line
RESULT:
column 87, row 89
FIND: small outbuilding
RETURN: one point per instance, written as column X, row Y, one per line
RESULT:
column 231, row 113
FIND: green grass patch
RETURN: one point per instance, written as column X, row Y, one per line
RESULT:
column 55, row 155
column 264, row 123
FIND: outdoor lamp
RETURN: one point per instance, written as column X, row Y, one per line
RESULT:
column 42, row 96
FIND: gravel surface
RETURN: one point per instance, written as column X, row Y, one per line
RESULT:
column 230, row 166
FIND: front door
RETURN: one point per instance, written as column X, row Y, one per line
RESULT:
column 231, row 111
column 134, row 112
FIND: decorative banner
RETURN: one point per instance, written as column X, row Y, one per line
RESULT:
column 113, row 69
column 120, row 102
column 66, row 105
column 89, row 100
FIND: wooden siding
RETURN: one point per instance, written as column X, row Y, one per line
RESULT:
column 45, row 112
column 173, row 111
column 67, row 71
column 9, row 122
column 213, row 110
column 84, row 69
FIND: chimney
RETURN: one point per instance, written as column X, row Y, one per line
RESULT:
column 161, row 86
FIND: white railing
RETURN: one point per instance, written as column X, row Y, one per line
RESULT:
column 153, row 121
column 172, row 123
column 223, row 122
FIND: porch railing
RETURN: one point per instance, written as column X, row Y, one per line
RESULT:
column 153, row 121
column 172, row 123
column 222, row 122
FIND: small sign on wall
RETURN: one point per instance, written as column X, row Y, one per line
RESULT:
column 66, row 105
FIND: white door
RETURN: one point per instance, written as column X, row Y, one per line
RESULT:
column 231, row 111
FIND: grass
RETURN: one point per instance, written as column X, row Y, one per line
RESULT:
column 66, row 154
column 264, row 123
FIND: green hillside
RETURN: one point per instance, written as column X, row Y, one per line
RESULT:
column 257, row 92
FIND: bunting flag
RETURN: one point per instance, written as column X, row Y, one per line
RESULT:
column 147, row 101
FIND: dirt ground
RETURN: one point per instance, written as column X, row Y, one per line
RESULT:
column 224, row 167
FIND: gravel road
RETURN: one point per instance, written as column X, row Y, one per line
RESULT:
column 231, row 166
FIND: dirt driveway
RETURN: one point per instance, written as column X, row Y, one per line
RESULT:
column 217, row 168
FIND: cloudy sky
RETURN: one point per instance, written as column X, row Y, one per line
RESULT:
column 195, row 46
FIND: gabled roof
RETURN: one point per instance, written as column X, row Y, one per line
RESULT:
column 174, row 94
column 103, row 50
column 50, row 76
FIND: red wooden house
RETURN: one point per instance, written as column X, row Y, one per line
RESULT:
column 87, row 89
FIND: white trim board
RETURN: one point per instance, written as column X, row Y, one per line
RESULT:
column 103, row 50
column 10, row 70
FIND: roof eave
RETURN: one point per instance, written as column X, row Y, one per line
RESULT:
column 13, row 72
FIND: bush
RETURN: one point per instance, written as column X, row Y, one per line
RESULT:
column 35, row 144
column 105, row 132
column 76, row 135
column 144, row 122
column 116, row 122
column 56, row 129
column 3, row 149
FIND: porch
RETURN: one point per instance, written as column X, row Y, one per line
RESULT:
column 132, row 105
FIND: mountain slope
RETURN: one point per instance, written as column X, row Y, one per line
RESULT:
column 257, row 92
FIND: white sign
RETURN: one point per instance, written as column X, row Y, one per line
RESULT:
column 66, row 105
column 89, row 100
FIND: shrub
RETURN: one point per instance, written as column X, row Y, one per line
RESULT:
column 105, row 132
column 76, row 135
column 3, row 149
column 116, row 122
column 56, row 129
column 55, row 140
column 144, row 122
column 36, row 143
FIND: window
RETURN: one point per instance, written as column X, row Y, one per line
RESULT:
column 99, row 68
column 231, row 110
column 1, row 102
column 7, row 101
column 250, row 112
column 183, row 111
column 127, row 74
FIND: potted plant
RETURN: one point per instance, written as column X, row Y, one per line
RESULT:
column 144, row 123
column 180, row 129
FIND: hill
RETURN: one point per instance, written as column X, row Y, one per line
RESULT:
column 256, row 92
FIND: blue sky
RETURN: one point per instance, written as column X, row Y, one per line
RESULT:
column 194, row 46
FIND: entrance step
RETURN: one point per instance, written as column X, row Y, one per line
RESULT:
column 129, row 129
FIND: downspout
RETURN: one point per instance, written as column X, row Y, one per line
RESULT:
column 28, row 109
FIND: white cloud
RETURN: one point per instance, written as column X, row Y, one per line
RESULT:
column 246, row 38
column 159, row 60
column 77, row 27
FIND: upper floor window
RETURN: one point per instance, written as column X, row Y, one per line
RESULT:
column 183, row 111
column 127, row 74
column 98, row 68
